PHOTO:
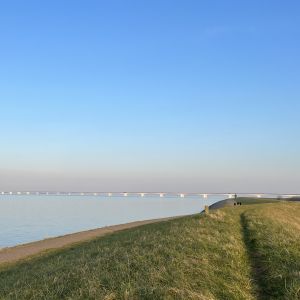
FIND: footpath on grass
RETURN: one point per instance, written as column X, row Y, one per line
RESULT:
column 236, row 252
column 272, row 238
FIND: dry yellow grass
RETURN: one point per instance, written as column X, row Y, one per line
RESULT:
column 274, row 241
column 246, row 252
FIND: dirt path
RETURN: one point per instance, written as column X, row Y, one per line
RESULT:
column 12, row 254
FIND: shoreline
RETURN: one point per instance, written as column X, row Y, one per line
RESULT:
column 27, row 250
column 18, row 252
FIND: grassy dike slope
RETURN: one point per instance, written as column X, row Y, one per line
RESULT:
column 272, row 237
column 244, row 252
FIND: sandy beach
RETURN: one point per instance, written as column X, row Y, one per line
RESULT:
column 12, row 254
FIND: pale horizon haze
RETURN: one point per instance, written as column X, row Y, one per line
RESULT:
column 179, row 96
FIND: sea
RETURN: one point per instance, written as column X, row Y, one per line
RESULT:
column 32, row 217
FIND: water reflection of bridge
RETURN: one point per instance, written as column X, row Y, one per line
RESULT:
column 147, row 194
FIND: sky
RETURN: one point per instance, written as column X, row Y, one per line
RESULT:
column 185, row 96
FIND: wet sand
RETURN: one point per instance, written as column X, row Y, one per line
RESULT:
column 12, row 254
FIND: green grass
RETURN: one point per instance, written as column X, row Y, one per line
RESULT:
column 244, row 252
column 274, row 243
column 250, row 201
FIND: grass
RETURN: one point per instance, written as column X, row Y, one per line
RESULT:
column 244, row 252
column 251, row 201
column 274, row 244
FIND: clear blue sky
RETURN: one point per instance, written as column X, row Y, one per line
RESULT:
column 150, row 95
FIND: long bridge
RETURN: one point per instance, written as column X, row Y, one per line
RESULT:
column 145, row 194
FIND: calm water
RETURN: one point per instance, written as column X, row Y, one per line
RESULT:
column 30, row 218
